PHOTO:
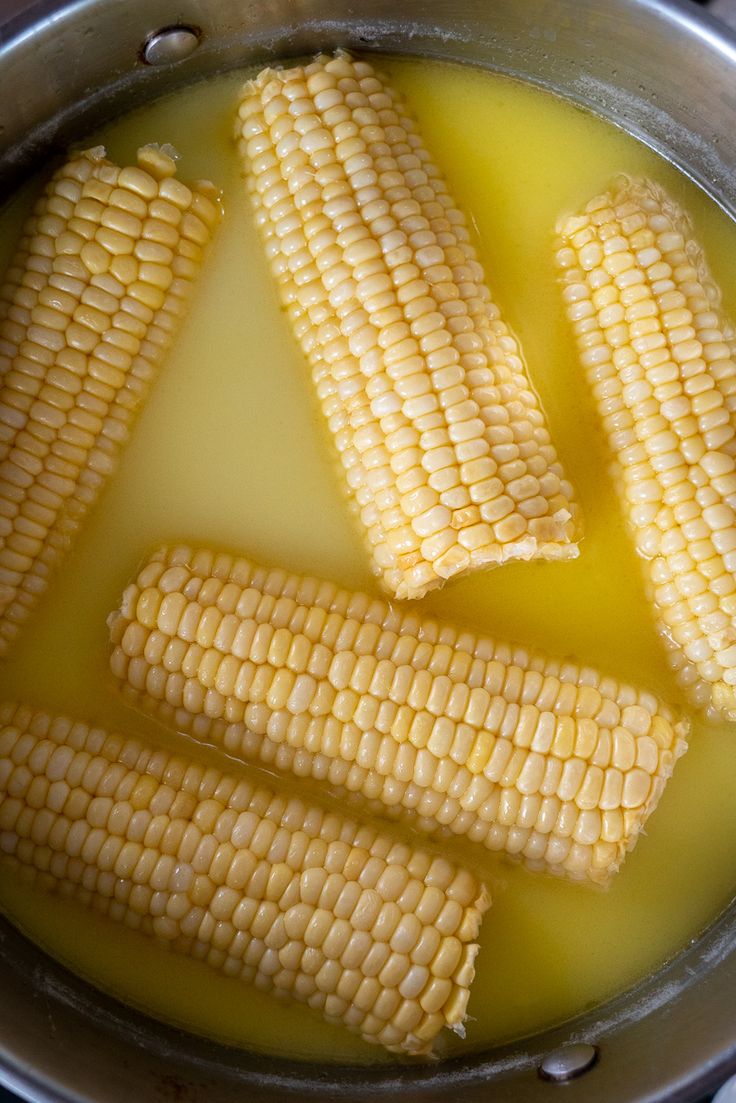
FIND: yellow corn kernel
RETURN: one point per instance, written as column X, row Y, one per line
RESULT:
column 272, row 888
column 474, row 737
column 443, row 445
column 661, row 360
column 78, row 315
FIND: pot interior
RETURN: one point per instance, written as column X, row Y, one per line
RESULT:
column 670, row 1035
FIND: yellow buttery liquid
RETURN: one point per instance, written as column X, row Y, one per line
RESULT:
column 230, row 452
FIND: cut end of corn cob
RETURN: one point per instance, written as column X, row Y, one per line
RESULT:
column 444, row 449
column 91, row 300
column 547, row 761
column 661, row 360
column 372, row 933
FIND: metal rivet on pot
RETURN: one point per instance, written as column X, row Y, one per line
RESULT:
column 568, row 1061
column 170, row 44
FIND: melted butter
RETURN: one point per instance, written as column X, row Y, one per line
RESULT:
column 230, row 452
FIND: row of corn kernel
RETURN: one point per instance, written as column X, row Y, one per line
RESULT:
column 558, row 764
column 90, row 304
column 380, row 306
column 662, row 364
column 372, row 933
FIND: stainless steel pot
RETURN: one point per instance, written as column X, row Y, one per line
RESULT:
column 663, row 72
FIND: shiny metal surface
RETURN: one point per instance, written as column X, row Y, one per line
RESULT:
column 665, row 73
column 567, row 1062
column 623, row 58
column 170, row 45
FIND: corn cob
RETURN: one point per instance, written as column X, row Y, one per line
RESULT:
column 661, row 360
column 542, row 759
column 442, row 441
column 91, row 301
column 372, row 933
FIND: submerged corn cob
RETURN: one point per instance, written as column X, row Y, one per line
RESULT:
column 662, row 363
column 545, row 760
column 443, row 444
column 90, row 303
column 374, row 934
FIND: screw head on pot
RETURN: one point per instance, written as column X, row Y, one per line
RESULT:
column 568, row 1061
column 169, row 45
